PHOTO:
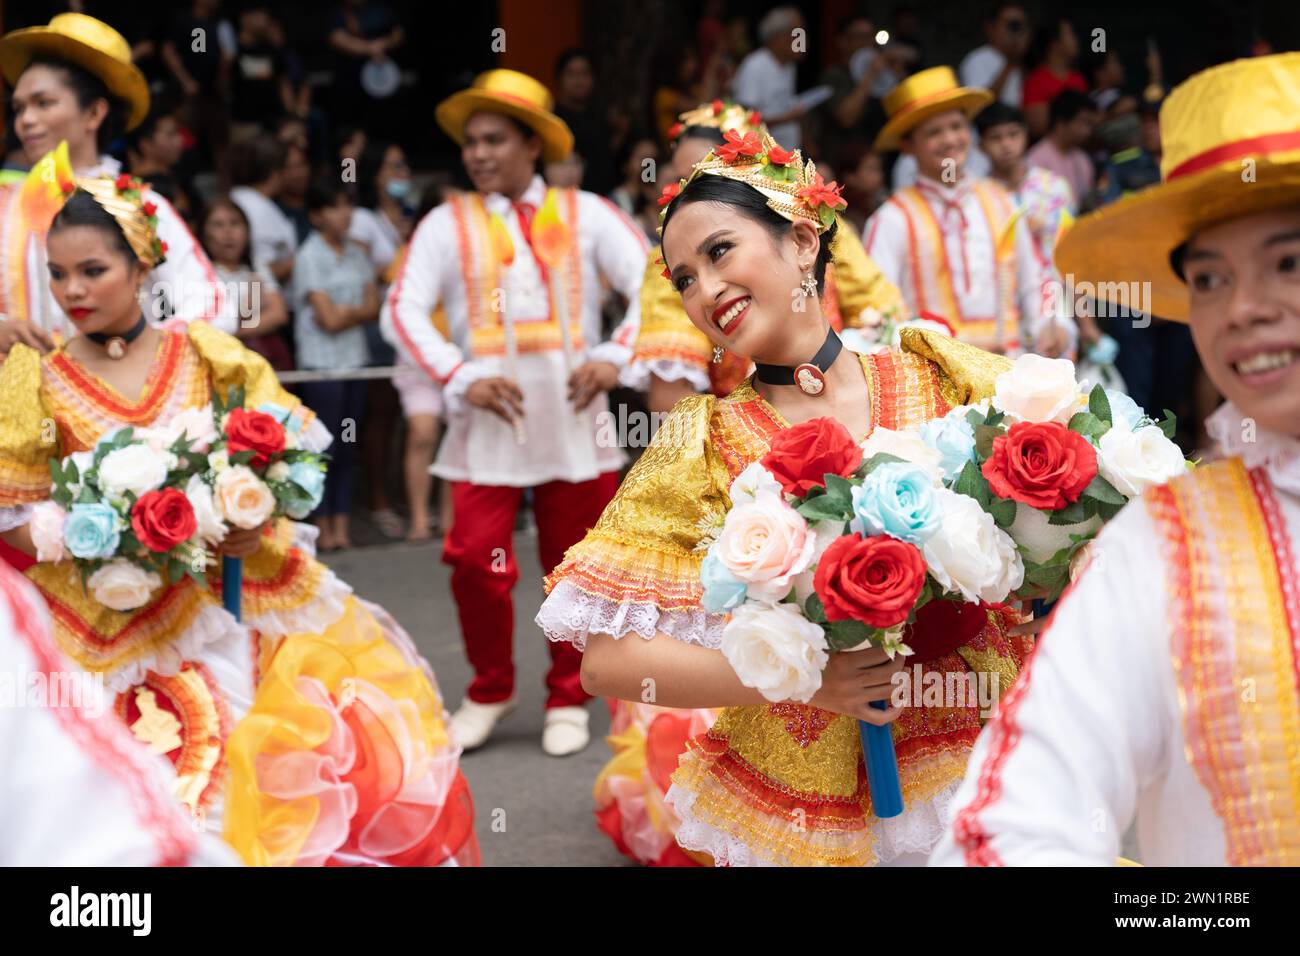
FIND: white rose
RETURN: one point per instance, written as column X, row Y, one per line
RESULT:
column 278, row 472
column 46, row 527
column 775, row 650
column 825, row 531
column 970, row 554
column 908, row 446
column 1134, row 461
column 211, row 528
column 123, row 586
column 219, row 461
column 1041, row 540
column 135, row 469
column 242, row 498
column 750, row 482
column 1039, row 389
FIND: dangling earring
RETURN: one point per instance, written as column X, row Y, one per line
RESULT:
column 808, row 286
column 717, row 355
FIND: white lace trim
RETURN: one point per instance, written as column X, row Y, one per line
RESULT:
column 304, row 537
column 325, row 607
column 636, row 374
column 1279, row 453
column 917, row 830
column 210, row 624
column 15, row 517
column 570, row 614
column 611, row 352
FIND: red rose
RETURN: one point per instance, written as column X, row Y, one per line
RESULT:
column 802, row 456
column 256, row 432
column 1042, row 464
column 779, row 156
column 873, row 580
column 163, row 519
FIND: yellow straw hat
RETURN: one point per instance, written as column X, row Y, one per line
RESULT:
column 90, row 44
column 925, row 94
column 514, row 94
column 1231, row 147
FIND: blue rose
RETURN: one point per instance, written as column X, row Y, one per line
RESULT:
column 954, row 439
column 91, row 531
column 281, row 415
column 723, row 591
column 311, row 479
column 897, row 499
column 1124, row 412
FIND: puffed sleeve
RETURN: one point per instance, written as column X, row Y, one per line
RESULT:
column 667, row 344
column 638, row 569
column 231, row 364
column 28, row 436
column 967, row 374
column 859, row 283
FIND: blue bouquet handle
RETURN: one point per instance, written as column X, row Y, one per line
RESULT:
column 882, row 766
column 232, row 582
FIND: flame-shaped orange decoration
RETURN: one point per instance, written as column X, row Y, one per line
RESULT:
column 550, row 234
column 1007, row 237
column 46, row 187
column 502, row 247
column 1063, row 224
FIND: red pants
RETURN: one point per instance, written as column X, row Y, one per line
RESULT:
column 479, row 550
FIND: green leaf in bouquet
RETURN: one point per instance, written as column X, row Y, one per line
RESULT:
column 841, row 635
column 1088, row 425
column 1003, row 511
column 235, row 397
column 1107, row 511
column 972, row 483
column 876, row 460
column 1099, row 489
column 840, row 490
column 1099, row 405
column 1071, row 514
column 198, row 577
column 175, row 570
column 822, row 508
column 1169, row 426
column 242, row 457
column 87, row 495
column 814, row 610
column 71, row 473
column 974, row 418
column 984, row 435
column 123, row 437
column 995, row 418
column 56, row 472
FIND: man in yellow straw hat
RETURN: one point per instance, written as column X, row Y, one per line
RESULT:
column 1166, row 689
column 672, row 358
column 517, row 267
column 73, row 81
column 954, row 244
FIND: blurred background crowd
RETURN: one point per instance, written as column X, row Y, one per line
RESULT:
column 279, row 129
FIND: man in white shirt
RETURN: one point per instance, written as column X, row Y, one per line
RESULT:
column 996, row 66
column 1163, row 692
column 517, row 268
column 952, row 243
column 765, row 80
column 256, row 165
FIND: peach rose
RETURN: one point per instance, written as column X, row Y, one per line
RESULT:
column 765, row 543
column 242, row 498
column 46, row 527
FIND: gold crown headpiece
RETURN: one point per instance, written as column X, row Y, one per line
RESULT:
column 123, row 199
column 722, row 115
column 793, row 189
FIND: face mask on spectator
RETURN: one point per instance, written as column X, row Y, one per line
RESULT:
column 398, row 188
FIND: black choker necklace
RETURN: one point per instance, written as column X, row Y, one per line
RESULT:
column 810, row 375
column 115, row 345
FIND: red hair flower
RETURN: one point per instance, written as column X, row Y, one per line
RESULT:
column 778, row 156
column 737, row 146
column 666, row 274
column 162, row 246
column 67, row 185
column 675, row 130
column 717, row 107
column 821, row 194
column 755, row 117
column 669, row 194
column 123, row 182
column 149, row 209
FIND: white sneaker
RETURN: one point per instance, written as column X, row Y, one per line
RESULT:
column 564, row 731
column 473, row 723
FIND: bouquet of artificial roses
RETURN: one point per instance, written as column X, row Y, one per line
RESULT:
column 125, row 514
column 1051, row 463
column 831, row 545
column 256, row 468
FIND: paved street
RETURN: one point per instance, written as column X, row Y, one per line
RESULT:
column 541, row 805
